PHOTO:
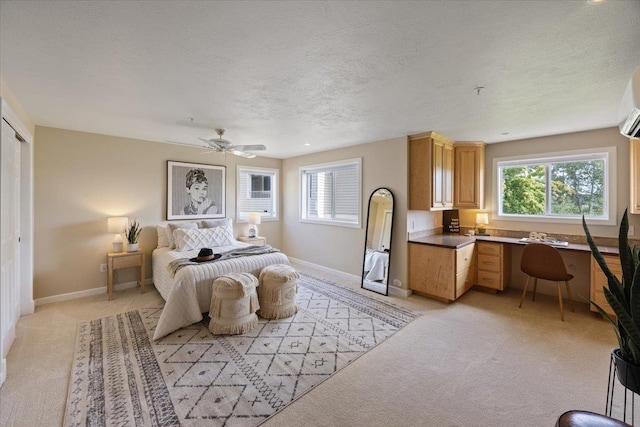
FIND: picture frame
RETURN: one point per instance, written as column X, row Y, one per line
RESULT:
column 195, row 191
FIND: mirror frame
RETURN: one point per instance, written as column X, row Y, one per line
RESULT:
column 366, row 236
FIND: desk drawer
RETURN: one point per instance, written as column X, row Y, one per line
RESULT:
column 128, row 261
column 464, row 281
column 489, row 279
column 489, row 263
column 464, row 258
column 490, row 248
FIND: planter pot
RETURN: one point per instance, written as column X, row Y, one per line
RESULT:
column 132, row 247
column 628, row 374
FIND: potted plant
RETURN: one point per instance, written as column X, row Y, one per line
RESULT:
column 132, row 233
column 623, row 295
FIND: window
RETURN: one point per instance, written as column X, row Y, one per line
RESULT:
column 330, row 193
column 563, row 186
column 257, row 192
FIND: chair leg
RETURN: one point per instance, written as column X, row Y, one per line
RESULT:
column 570, row 297
column 560, row 301
column 535, row 287
column 524, row 291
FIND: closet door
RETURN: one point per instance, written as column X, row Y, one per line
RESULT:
column 9, row 241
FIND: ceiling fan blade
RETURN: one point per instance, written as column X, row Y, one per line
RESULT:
column 242, row 154
column 211, row 143
column 258, row 147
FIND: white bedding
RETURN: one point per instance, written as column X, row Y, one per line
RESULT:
column 188, row 294
column 376, row 265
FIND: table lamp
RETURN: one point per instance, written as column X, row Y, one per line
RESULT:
column 117, row 225
column 255, row 218
column 482, row 219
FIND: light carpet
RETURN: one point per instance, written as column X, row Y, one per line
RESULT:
column 192, row 378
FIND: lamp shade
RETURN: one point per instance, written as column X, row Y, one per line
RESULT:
column 117, row 224
column 482, row 218
column 255, row 218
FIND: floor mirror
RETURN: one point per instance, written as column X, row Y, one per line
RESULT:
column 377, row 243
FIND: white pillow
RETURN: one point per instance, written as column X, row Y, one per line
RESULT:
column 226, row 223
column 210, row 223
column 163, row 242
column 171, row 228
column 188, row 239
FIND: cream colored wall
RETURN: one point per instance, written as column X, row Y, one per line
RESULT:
column 384, row 164
column 549, row 144
column 7, row 95
column 577, row 263
column 83, row 178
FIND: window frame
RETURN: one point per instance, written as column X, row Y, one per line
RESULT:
column 320, row 167
column 609, row 155
column 274, row 173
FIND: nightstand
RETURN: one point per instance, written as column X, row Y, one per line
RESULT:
column 116, row 261
column 259, row 240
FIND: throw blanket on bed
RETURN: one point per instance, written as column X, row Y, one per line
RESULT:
column 176, row 265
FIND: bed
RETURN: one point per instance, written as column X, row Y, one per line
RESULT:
column 188, row 292
column 376, row 265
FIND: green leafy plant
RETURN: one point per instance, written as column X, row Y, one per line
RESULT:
column 133, row 232
column 623, row 295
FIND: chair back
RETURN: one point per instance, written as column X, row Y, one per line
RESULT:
column 544, row 262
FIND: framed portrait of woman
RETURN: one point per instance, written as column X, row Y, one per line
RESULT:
column 195, row 191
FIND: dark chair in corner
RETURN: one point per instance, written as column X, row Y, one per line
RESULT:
column 542, row 261
column 587, row 419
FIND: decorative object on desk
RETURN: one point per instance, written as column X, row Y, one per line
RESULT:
column 451, row 221
column 132, row 233
column 482, row 219
column 255, row 218
column 622, row 295
column 195, row 190
column 117, row 225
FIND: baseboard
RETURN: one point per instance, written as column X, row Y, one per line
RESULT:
column 86, row 293
column 393, row 290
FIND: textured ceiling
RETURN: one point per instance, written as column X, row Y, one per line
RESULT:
column 329, row 74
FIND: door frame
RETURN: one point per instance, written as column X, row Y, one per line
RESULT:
column 27, row 305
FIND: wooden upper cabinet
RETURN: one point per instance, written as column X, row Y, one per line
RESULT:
column 634, row 169
column 468, row 187
column 430, row 172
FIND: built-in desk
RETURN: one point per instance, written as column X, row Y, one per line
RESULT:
column 494, row 260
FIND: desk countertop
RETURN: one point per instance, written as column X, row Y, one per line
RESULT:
column 456, row 241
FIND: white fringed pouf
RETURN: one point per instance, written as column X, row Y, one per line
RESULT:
column 234, row 303
column 277, row 291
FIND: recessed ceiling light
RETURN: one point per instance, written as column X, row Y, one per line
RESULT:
column 307, row 144
column 594, row 1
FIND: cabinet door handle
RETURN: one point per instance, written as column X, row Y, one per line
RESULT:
column 487, row 262
column 488, row 280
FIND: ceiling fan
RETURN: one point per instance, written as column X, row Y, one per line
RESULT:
column 219, row 144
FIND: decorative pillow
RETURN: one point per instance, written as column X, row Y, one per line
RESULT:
column 163, row 242
column 210, row 223
column 226, row 223
column 171, row 228
column 188, row 239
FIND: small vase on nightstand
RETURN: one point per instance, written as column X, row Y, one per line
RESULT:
column 132, row 247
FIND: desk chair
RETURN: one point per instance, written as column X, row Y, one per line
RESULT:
column 542, row 261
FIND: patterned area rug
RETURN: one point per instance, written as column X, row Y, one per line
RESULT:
column 192, row 378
